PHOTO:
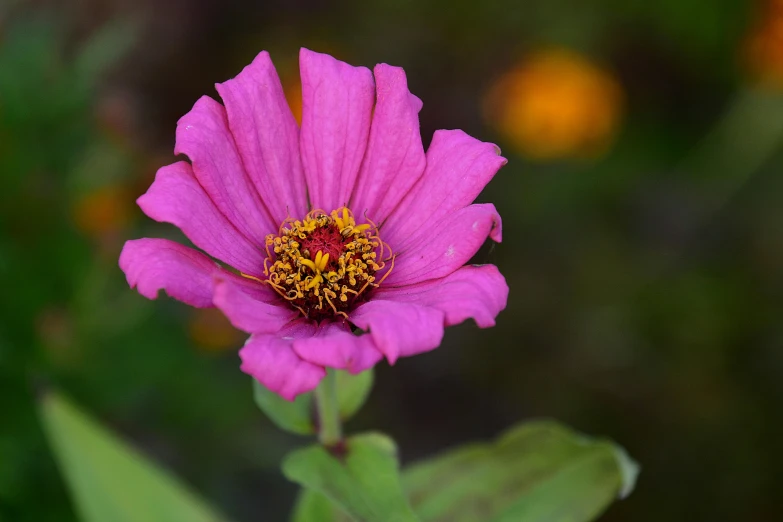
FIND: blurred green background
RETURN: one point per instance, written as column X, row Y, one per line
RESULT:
column 643, row 244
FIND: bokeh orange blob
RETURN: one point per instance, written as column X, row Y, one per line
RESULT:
column 763, row 51
column 293, row 95
column 556, row 104
column 104, row 211
column 210, row 331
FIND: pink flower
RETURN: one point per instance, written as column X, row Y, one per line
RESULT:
column 385, row 255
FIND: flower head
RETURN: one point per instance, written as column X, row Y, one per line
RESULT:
column 556, row 104
column 343, row 227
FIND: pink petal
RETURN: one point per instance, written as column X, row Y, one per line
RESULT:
column 203, row 135
column 271, row 360
column 267, row 137
column 458, row 168
column 400, row 329
column 442, row 248
column 151, row 265
column 477, row 292
column 251, row 306
column 395, row 156
column 335, row 346
column 337, row 102
column 176, row 197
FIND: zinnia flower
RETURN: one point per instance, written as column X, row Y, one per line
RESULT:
column 341, row 242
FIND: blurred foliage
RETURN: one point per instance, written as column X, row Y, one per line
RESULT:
column 52, row 281
column 536, row 471
column 646, row 282
column 108, row 479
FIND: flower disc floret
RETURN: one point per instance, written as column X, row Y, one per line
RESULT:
column 326, row 264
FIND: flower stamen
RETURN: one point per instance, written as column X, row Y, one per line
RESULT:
column 326, row 258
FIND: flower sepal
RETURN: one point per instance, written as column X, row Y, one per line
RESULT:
column 300, row 415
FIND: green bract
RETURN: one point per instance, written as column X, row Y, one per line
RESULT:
column 298, row 416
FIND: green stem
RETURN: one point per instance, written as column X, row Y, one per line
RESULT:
column 329, row 428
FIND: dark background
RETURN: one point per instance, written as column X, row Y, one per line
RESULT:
column 646, row 272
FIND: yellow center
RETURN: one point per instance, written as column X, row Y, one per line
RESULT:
column 326, row 264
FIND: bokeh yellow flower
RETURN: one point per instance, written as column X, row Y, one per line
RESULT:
column 556, row 104
column 764, row 45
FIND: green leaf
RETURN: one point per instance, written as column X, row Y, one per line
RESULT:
column 312, row 506
column 364, row 481
column 539, row 471
column 352, row 391
column 295, row 416
column 298, row 416
column 108, row 479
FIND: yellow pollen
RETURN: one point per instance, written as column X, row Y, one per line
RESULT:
column 325, row 264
